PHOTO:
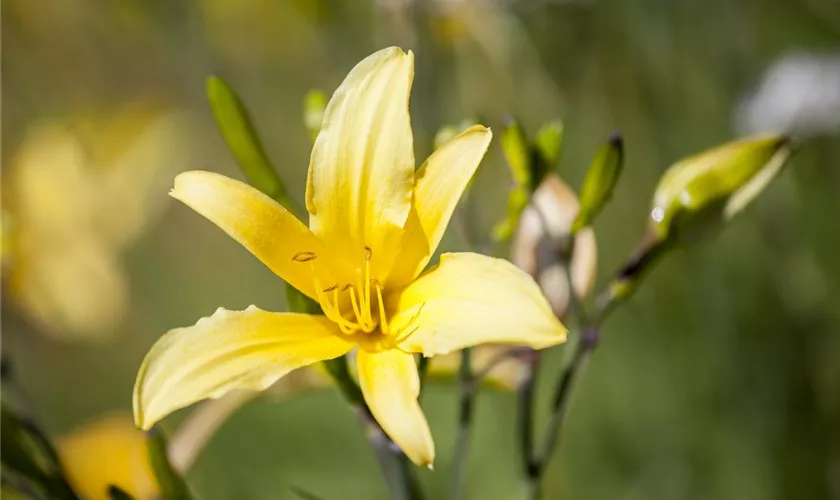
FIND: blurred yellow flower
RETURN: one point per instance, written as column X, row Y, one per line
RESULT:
column 74, row 199
column 374, row 225
column 108, row 451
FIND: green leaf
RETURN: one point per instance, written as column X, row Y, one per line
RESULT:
column 238, row 131
column 702, row 193
column 600, row 181
column 314, row 105
column 172, row 485
column 25, row 451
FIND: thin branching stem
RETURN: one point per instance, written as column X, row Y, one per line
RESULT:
column 467, row 392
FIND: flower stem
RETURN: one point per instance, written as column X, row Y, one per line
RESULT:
column 617, row 291
column 525, row 423
column 467, row 386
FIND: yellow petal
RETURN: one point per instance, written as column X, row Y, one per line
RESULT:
column 260, row 224
column 438, row 186
column 390, row 384
column 361, row 173
column 109, row 450
column 229, row 350
column 471, row 299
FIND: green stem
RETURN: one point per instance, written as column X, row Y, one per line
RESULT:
column 467, row 386
column 618, row 290
column 525, row 424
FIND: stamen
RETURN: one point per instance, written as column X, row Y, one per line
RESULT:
column 338, row 312
column 366, row 287
column 355, row 305
column 331, row 311
column 383, row 322
column 304, row 256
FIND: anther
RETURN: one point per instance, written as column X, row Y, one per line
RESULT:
column 304, row 256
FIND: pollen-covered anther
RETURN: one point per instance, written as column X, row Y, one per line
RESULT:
column 304, row 256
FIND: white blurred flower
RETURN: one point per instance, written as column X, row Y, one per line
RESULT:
column 799, row 94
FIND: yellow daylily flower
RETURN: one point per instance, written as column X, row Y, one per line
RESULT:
column 107, row 451
column 77, row 195
column 374, row 224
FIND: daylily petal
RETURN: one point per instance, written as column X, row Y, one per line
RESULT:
column 361, row 173
column 391, row 385
column 260, row 224
column 471, row 299
column 229, row 350
column 438, row 186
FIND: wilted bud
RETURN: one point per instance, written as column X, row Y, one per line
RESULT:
column 314, row 104
column 543, row 231
column 242, row 139
column 600, row 181
column 703, row 192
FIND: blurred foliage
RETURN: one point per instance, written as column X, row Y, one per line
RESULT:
column 718, row 380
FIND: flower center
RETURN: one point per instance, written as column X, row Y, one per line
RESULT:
column 360, row 297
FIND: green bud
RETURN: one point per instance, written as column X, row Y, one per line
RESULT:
column 314, row 104
column 242, row 140
column 172, row 485
column 548, row 144
column 703, row 192
column 600, row 181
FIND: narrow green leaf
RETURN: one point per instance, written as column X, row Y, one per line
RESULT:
column 172, row 485
column 600, row 181
column 314, row 104
column 238, row 131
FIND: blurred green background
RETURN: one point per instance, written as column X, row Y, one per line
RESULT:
column 719, row 379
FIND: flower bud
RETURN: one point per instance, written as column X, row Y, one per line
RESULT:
column 702, row 193
column 600, row 181
column 541, row 237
